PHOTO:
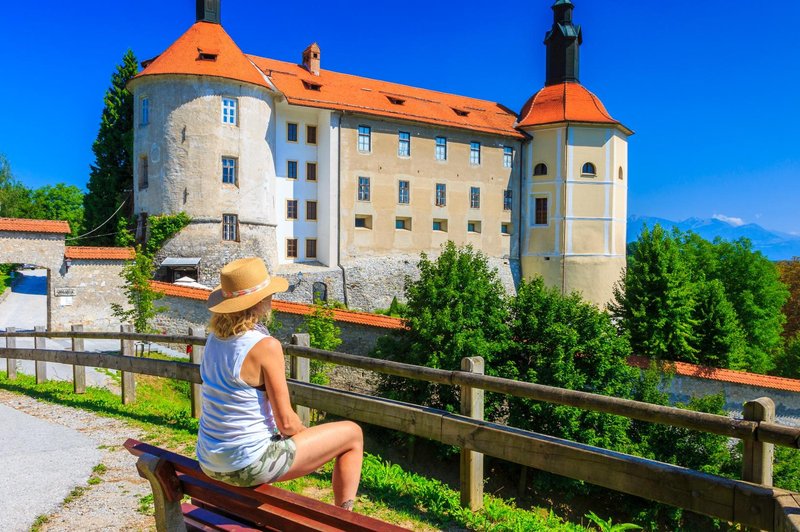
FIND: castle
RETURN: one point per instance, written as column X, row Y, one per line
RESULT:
column 339, row 181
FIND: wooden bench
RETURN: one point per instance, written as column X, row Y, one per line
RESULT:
column 218, row 506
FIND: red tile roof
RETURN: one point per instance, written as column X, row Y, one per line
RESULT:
column 725, row 375
column 26, row 225
column 564, row 102
column 98, row 253
column 337, row 91
column 345, row 92
column 183, row 57
column 288, row 307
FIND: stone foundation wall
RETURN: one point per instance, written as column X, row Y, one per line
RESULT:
column 96, row 284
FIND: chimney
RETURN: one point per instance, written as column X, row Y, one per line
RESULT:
column 208, row 11
column 311, row 58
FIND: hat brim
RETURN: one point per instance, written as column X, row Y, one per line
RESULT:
column 220, row 304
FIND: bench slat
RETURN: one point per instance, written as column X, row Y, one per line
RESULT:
column 206, row 521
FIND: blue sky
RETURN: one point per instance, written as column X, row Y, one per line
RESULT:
column 711, row 88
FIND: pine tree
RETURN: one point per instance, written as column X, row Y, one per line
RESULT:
column 111, row 177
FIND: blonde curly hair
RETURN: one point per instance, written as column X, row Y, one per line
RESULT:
column 235, row 323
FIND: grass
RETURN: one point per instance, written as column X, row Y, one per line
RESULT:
column 5, row 281
column 387, row 491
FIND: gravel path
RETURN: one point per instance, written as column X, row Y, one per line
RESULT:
column 112, row 503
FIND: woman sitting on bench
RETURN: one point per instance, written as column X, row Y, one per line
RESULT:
column 249, row 434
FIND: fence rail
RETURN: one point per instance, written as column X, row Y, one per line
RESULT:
column 751, row 504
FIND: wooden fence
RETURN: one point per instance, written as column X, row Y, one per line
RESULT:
column 751, row 502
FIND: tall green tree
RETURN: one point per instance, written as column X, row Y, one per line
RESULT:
column 654, row 301
column 15, row 198
column 455, row 309
column 58, row 202
column 111, row 177
column 719, row 339
column 140, row 295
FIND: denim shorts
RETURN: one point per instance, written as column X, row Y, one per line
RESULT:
column 269, row 467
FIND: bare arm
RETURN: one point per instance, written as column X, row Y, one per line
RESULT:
column 269, row 354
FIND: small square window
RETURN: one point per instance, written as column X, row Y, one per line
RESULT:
column 311, row 248
column 440, row 225
column 291, row 209
column 230, row 227
column 291, row 132
column 291, row 248
column 311, row 134
column 145, row 117
column 364, row 139
column 364, row 221
column 404, row 144
column 441, row 195
column 441, row 148
column 403, row 192
column 402, row 224
column 505, row 228
column 311, row 171
column 229, row 170
column 311, row 210
column 475, row 153
column 229, row 111
column 363, row 189
column 474, row 198
column 473, row 226
column 508, row 156
column 291, row 169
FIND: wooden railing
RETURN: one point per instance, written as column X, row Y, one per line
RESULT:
column 751, row 502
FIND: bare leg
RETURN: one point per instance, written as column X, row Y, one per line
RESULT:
column 318, row 445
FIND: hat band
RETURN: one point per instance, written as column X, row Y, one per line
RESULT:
column 237, row 293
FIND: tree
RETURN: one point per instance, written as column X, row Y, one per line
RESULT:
column 654, row 299
column 719, row 339
column 111, row 177
column 139, row 293
column 323, row 334
column 15, row 198
column 58, row 202
column 787, row 364
column 456, row 309
column 790, row 276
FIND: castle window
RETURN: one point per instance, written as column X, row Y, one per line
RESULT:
column 507, row 195
column 229, row 106
column 505, row 228
column 230, row 227
column 291, row 132
column 441, row 195
column 291, row 169
column 291, row 209
column 311, row 248
column 291, row 248
column 540, row 169
column 588, row 169
column 312, row 86
column 364, row 221
column 311, row 171
column 540, row 212
column 364, row 139
column 440, row 225
column 508, row 156
column 441, row 148
column 363, row 189
column 474, row 153
column 143, row 172
column 473, row 226
column 403, row 224
column 311, row 134
column 474, row 197
column 404, row 144
column 311, row 210
column 145, row 116
column 229, row 170
column 320, row 292
column 403, row 192
column 620, row 173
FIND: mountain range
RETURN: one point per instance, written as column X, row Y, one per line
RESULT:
column 774, row 245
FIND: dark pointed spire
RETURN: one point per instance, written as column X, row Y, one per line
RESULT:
column 563, row 45
column 208, row 11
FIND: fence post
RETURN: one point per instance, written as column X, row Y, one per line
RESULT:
column 41, row 366
column 196, row 357
column 472, row 462
column 78, row 372
column 757, row 458
column 300, row 369
column 11, row 363
column 128, row 378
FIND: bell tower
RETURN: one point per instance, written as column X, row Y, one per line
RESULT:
column 563, row 43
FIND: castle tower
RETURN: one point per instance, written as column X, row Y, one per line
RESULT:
column 575, row 191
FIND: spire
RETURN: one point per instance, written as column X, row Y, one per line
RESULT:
column 563, row 45
column 208, row 11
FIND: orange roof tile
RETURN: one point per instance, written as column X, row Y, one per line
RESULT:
column 564, row 102
column 183, row 57
column 26, row 225
column 725, row 375
column 288, row 307
column 98, row 253
column 345, row 92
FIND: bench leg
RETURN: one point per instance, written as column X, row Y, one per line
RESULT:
column 169, row 517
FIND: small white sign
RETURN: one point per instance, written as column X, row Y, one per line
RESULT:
column 65, row 292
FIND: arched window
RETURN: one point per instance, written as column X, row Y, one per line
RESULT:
column 620, row 173
column 588, row 169
column 540, row 169
column 319, row 292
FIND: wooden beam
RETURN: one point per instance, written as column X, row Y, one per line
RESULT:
column 41, row 367
column 471, row 469
column 11, row 363
column 196, row 357
column 128, row 378
column 300, row 369
column 96, row 335
column 78, row 372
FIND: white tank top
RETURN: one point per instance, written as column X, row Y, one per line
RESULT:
column 236, row 422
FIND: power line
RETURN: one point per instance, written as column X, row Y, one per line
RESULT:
column 102, row 224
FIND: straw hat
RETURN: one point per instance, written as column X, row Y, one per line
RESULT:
column 243, row 283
